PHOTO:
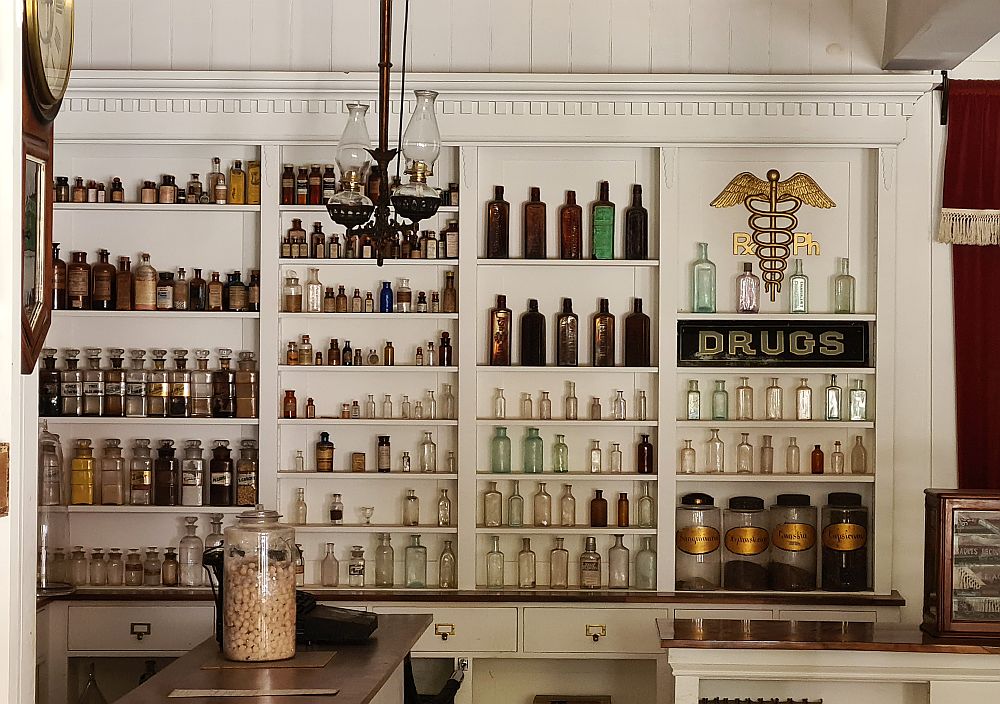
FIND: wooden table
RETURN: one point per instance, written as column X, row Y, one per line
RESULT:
column 360, row 672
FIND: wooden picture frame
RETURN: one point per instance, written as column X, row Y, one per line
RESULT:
column 4, row 479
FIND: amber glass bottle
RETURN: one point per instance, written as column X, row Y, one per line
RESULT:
column 570, row 228
column 567, row 336
column 123, row 284
column 197, row 292
column 532, row 336
column 603, row 337
column 289, row 405
column 58, row 279
column 102, row 277
column 288, row 184
column 449, row 297
column 534, row 226
column 599, row 510
column 224, row 387
column 165, row 475
column 234, row 296
column 215, row 293
column 498, row 345
column 315, row 185
column 497, row 226
column 622, row 509
column 237, row 184
column 816, row 460
column 636, row 227
column 637, row 341
column 220, row 471
column 78, row 282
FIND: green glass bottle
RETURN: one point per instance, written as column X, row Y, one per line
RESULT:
column 602, row 222
column 531, row 454
column 500, row 452
column 560, row 455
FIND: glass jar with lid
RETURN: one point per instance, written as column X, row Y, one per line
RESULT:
column 792, row 565
column 259, row 588
column 698, row 564
column 291, row 293
column 746, row 540
column 845, row 543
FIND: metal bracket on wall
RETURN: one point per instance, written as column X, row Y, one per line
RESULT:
column 945, row 89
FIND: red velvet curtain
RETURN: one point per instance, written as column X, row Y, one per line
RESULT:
column 971, row 220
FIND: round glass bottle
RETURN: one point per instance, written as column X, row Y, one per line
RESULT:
column 792, row 562
column 698, row 562
column 500, row 452
column 746, row 540
column 531, row 455
column 845, row 543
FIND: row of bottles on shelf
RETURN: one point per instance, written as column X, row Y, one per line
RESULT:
column 750, row 548
column 570, row 405
column 80, row 286
column 541, row 504
column 602, row 226
column 426, row 409
column 410, row 512
column 533, row 453
column 532, row 336
column 715, row 457
column 312, row 185
column 774, row 401
column 138, row 392
column 242, row 188
column 167, row 480
column 426, row 457
column 313, row 297
column 408, row 244
column 589, row 565
column 414, row 565
column 748, row 287
column 301, row 354
column 179, row 567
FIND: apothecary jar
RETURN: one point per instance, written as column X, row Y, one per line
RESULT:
column 259, row 588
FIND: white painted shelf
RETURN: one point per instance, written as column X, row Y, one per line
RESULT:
column 548, row 369
column 857, row 424
column 371, row 368
column 775, row 371
column 160, row 207
column 601, row 263
column 95, row 420
column 372, row 528
column 569, row 476
column 290, row 262
column 370, row 476
column 179, row 510
column 556, row 422
column 791, row 317
column 368, row 316
column 366, row 421
column 152, row 314
column 560, row 530
column 780, row 478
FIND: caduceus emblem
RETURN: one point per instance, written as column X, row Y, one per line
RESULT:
column 772, row 205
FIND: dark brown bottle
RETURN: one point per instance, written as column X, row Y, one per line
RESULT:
column 532, row 336
column 598, row 510
column 166, row 471
column 253, row 292
column 603, row 337
column 346, row 355
column 288, row 184
column 637, row 340
column 197, row 292
column 220, row 472
column 58, row 280
column 289, row 405
column 333, row 353
column 534, row 226
column 302, row 186
column 644, row 460
column 215, row 291
column 622, row 509
column 315, row 185
column 570, row 228
column 636, row 227
column 445, row 351
column 234, row 296
column 342, row 303
column 567, row 336
column 78, row 282
column 497, row 226
column 498, row 345
column 816, row 460
column 102, row 282
column 374, row 185
column 224, row 387
column 123, row 284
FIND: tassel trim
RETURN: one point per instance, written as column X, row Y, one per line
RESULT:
column 967, row 226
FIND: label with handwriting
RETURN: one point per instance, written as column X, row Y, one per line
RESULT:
column 746, row 540
column 793, row 537
column 698, row 540
column 844, row 537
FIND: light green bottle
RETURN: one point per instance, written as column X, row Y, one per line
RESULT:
column 500, row 452
column 560, row 455
column 602, row 222
column 531, row 455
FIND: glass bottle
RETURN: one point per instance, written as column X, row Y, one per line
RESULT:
column 313, row 292
column 637, row 337
column 411, row 508
column 515, row 506
column 197, row 292
column 773, row 401
column 48, row 385
column 356, row 567
column 615, row 458
column 532, row 336
column 747, row 290
column 559, row 566
column 541, row 507
column 428, row 454
column 387, row 406
column 93, row 384
column 834, row 399
column 618, row 564
column 216, row 295
column 645, row 460
column 300, row 511
column 245, row 385
column 116, row 568
column 570, row 228
column 694, row 400
column 636, row 227
column 567, row 507
column 444, row 510
column 78, row 282
column 803, row 400
column 618, row 406
column 798, row 290
column 123, row 284
column 499, row 334
column 492, row 506
column 766, row 456
column 602, row 225
column 843, row 289
column 526, row 407
column 170, row 568
column 215, row 538
column 141, row 474
column 291, row 293
column 499, row 405
column 329, row 568
column 590, row 565
column 595, row 458
column 103, row 279
column 571, row 402
column 603, row 336
column 497, row 226
column 415, row 564
column 166, row 475
column 567, row 335
column 300, row 461
column 133, row 568
column 145, row 284
column 449, row 297
column 289, row 405
column 221, row 475
column 82, row 475
column 152, row 568
column 114, row 385
column 644, row 508
column 531, row 452
column 816, row 460
column 744, row 455
column 702, row 282
column 189, row 555
column 858, row 401
column 623, row 510
column 859, row 457
column 720, row 401
column 715, row 454
column 494, row 564
column 71, row 385
column 595, row 408
column 181, row 292
column 534, row 226
column 79, row 572
column 744, row 399
column 59, row 275
column 645, row 565
column 599, row 510
column 384, row 561
column 687, row 459
column 526, row 565
column 136, row 386
column 837, row 459
column 179, row 401
column 224, row 387
column 336, row 510
column 404, row 297
column 113, row 474
column 324, row 453
column 792, row 457
column 545, row 407
column 50, row 468
column 560, row 455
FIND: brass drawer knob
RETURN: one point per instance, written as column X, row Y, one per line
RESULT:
column 139, row 630
column 443, row 630
column 597, row 631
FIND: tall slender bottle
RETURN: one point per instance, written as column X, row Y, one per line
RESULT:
column 197, row 292
column 193, row 483
column 703, row 282
column 534, row 226
column 497, row 226
column 843, row 289
column 166, row 475
column 798, row 290
column 145, row 285
column 567, row 336
column 189, row 555
column 498, row 345
column 123, row 284
column 494, row 565
column 48, row 386
column 636, row 227
column 526, row 565
column 71, row 385
column 602, row 225
column 58, row 280
column 532, row 336
column 559, row 566
column 102, row 288
column 570, row 228
column 179, row 405
column 603, row 337
column 93, row 384
column 224, row 387
column 637, row 337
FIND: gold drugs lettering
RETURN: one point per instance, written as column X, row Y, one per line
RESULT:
column 709, row 342
column 831, row 343
column 801, row 343
column 740, row 340
column 765, row 342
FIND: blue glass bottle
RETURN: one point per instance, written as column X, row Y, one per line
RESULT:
column 385, row 298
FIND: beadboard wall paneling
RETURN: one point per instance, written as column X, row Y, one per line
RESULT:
column 531, row 36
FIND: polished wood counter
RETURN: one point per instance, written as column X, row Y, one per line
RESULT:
column 811, row 635
column 358, row 671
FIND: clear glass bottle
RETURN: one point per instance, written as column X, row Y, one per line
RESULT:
column 798, row 290
column 387, row 406
column 590, row 565
column 618, row 405
column 428, row 454
column 113, row 482
column 152, row 568
column 744, row 455
column 541, row 504
column 687, row 460
column 570, row 403
column 313, row 292
column 300, row 510
column 793, row 457
column 500, row 451
column 404, row 297
column 291, row 293
column 615, row 458
column 492, row 506
column 201, row 386
column 560, row 455
column 145, row 285
column 133, row 568
column 545, row 407
column 216, row 537
column 329, row 569
column 79, row 572
column 532, row 451
column 158, row 389
column 859, row 457
column 559, row 566
column 702, row 282
column 698, row 563
column 766, row 455
column 336, row 510
column 618, row 564
column 50, row 468
column 136, row 386
column 384, row 561
column 747, row 290
column 444, row 509
column 515, row 506
column 431, row 405
column 93, row 384
column 803, row 400
column 837, row 459
column 494, row 565
column 640, row 404
column 645, row 512
column 858, row 401
column 415, row 564
column 720, row 401
column 567, row 507
column 773, row 401
column 356, row 567
column 499, row 405
column 693, row 400
column 744, row 400
column 448, row 410
column 116, row 568
column 189, row 555
column 715, row 458
column 71, row 385
column 141, row 474
column 527, row 412
column 98, row 569
column 595, row 458
column 645, row 565
column 834, row 399
column 526, row 565
column 843, row 289
column 411, row 508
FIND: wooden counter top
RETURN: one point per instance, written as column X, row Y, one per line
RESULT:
column 812, row 635
column 358, row 671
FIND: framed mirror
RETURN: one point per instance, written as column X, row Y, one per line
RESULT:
column 36, row 252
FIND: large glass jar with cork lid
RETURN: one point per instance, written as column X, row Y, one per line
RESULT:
column 745, row 540
column 259, row 588
column 697, row 564
column 792, row 566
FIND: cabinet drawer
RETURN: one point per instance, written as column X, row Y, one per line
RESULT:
column 572, row 630
column 120, row 627
column 463, row 629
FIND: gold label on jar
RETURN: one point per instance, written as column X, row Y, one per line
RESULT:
column 746, row 540
column 793, row 537
column 844, row 536
column 698, row 540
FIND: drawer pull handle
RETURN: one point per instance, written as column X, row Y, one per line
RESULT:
column 139, row 630
column 596, row 631
column 444, row 630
